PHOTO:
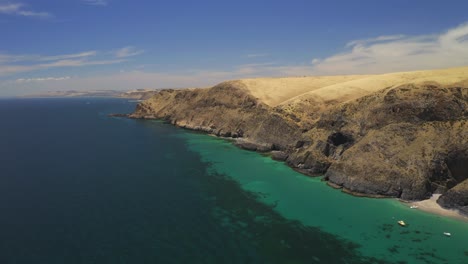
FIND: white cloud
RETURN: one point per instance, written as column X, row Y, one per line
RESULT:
column 374, row 40
column 42, row 79
column 9, row 8
column 377, row 55
column 21, row 10
column 8, row 58
column 70, row 56
column 128, row 52
column 12, row 64
column 78, row 63
column 399, row 53
column 257, row 55
column 12, row 69
column 97, row 2
column 382, row 54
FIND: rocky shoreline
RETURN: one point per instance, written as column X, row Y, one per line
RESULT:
column 408, row 141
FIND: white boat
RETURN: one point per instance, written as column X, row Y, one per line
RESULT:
column 447, row 234
column 414, row 207
column 401, row 223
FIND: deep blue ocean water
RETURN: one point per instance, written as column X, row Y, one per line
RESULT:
column 77, row 186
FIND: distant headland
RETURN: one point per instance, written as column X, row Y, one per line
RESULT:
column 138, row 94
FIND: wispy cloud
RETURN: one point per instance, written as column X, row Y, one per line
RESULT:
column 42, row 79
column 97, row 2
column 13, row 69
column 78, row 63
column 8, row 58
column 382, row 54
column 256, row 55
column 84, row 54
column 128, row 51
column 374, row 40
column 13, row 64
column 399, row 53
column 21, row 10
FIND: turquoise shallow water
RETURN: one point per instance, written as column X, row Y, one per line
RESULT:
column 371, row 223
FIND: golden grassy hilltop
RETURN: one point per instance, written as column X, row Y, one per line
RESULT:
column 323, row 89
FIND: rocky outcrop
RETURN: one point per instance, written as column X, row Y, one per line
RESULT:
column 457, row 198
column 279, row 155
column 405, row 137
column 401, row 160
column 408, row 141
column 225, row 110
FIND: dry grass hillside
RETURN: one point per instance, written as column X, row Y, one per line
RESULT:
column 293, row 90
column 303, row 98
column 275, row 91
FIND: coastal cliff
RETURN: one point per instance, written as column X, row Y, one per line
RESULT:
column 402, row 135
column 226, row 110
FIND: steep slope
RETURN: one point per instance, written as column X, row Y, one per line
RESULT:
column 368, row 135
column 405, row 138
column 227, row 110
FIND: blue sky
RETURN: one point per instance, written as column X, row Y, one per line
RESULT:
column 52, row 45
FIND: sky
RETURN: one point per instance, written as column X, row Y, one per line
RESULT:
column 53, row 45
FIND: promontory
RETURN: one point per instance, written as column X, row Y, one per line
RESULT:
column 402, row 135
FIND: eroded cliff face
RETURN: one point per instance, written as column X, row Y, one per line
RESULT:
column 407, row 141
column 404, row 137
column 225, row 110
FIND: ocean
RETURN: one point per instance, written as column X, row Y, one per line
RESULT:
column 78, row 186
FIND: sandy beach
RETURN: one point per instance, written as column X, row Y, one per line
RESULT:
column 431, row 206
